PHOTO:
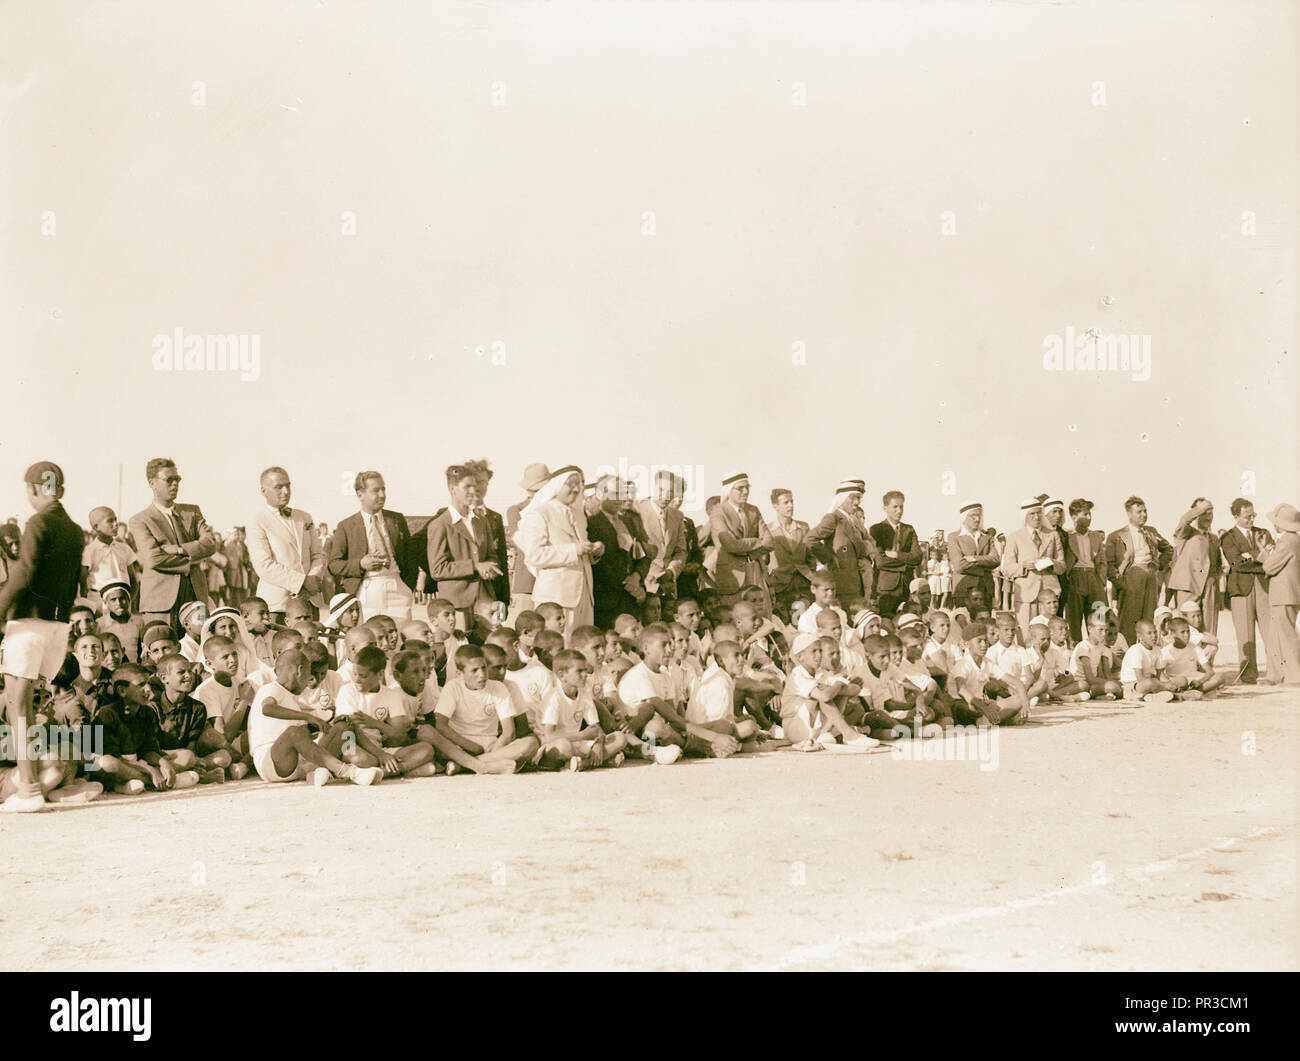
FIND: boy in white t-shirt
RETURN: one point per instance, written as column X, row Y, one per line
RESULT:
column 535, row 691
column 1090, row 662
column 227, row 702
column 1140, row 670
column 279, row 740
column 1062, row 685
column 385, row 716
column 979, row 696
column 648, row 697
column 712, row 704
column 933, row 705
column 1010, row 661
column 809, row 716
column 570, row 721
column 1183, row 670
column 478, row 715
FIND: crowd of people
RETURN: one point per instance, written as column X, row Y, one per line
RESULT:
column 588, row 626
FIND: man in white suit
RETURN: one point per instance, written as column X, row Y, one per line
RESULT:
column 284, row 549
column 1032, row 560
column 552, row 535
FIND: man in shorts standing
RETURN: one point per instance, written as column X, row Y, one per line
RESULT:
column 35, row 603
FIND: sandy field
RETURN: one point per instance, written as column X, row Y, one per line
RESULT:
column 1096, row 837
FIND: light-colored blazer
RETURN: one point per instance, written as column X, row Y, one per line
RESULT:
column 283, row 557
column 1020, row 555
column 743, row 543
column 1283, row 563
column 668, row 539
column 549, row 535
column 1196, row 556
column 160, row 574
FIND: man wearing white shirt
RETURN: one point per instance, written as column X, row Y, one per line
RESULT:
column 369, row 554
column 284, row 549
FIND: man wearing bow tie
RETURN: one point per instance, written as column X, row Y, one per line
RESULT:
column 284, row 549
column 170, row 541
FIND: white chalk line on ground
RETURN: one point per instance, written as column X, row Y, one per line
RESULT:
column 822, row 952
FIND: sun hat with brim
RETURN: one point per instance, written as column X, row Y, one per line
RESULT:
column 1285, row 517
column 339, row 604
column 535, row 476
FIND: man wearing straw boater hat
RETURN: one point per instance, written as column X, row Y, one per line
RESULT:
column 521, row 579
column 742, row 538
column 1032, row 560
column 1282, row 563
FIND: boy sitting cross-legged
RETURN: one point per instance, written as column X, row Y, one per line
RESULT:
column 1140, row 671
column 478, row 716
column 279, row 738
column 132, row 759
column 226, row 702
column 1183, row 669
column 647, row 697
column 1090, row 662
column 183, row 722
column 978, row 696
column 809, row 715
column 386, row 717
column 570, row 722
column 712, row 703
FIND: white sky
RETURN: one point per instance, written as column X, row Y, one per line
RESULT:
column 775, row 223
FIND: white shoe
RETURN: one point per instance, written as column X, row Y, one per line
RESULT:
column 1162, row 697
column 667, row 754
column 185, row 779
column 366, row 775
column 17, row 804
column 238, row 771
column 777, row 733
column 1084, row 697
column 575, row 764
column 319, row 777
column 827, row 740
column 133, row 787
column 1033, row 701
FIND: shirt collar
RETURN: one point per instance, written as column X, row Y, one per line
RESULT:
column 165, row 509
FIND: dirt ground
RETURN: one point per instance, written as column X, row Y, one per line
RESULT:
column 1106, row 837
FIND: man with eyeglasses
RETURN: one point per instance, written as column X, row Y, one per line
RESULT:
column 170, row 541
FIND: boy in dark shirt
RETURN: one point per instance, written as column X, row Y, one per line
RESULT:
column 182, row 721
column 132, row 758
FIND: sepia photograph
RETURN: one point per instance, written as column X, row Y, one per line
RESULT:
column 649, row 486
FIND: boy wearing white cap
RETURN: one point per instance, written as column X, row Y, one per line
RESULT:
column 118, row 620
column 809, row 716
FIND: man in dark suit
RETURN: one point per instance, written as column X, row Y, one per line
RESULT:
column 840, row 541
column 462, row 548
column 35, row 603
column 370, row 555
column 499, row 549
column 899, row 554
column 1136, row 555
column 972, row 557
column 1247, row 589
column 170, row 541
column 618, row 578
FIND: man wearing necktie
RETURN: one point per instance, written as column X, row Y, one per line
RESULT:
column 284, row 549
column 170, row 540
column 461, row 548
column 1032, row 560
column 368, row 554
column 665, row 531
